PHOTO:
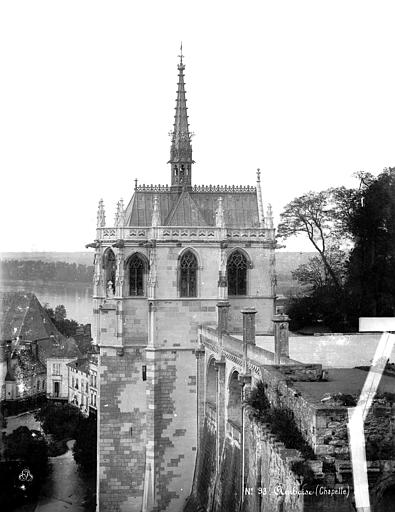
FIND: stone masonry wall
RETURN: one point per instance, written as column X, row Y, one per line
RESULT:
column 121, row 425
column 270, row 484
column 171, row 425
column 228, row 484
column 205, row 472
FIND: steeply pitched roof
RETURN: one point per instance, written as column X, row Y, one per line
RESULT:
column 21, row 314
column 194, row 207
column 185, row 212
column 58, row 348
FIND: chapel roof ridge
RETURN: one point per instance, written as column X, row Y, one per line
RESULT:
column 199, row 188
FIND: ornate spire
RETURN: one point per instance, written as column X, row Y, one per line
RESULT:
column 259, row 198
column 181, row 148
column 269, row 217
column 101, row 216
column 156, row 213
column 121, row 217
column 116, row 219
column 220, row 214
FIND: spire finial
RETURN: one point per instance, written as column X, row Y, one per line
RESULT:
column 101, row 216
column 155, row 221
column 220, row 214
column 258, row 175
column 181, row 55
column 181, row 148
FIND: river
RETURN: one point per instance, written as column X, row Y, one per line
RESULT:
column 76, row 297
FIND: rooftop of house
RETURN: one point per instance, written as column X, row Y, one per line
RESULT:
column 24, row 364
column 82, row 365
column 58, row 347
column 21, row 315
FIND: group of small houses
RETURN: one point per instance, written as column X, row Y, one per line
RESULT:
column 37, row 362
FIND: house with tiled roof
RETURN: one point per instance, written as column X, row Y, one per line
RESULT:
column 28, row 338
column 24, row 328
column 58, row 356
column 26, row 374
column 82, row 379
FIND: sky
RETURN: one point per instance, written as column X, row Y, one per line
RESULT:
column 304, row 90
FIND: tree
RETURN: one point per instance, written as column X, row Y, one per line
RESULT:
column 26, row 449
column 62, row 421
column 371, row 271
column 85, row 447
column 315, row 274
column 60, row 313
column 322, row 217
column 343, row 287
column 64, row 325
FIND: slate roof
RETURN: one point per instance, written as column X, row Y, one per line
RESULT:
column 21, row 314
column 60, row 347
column 193, row 207
column 23, row 364
column 82, row 365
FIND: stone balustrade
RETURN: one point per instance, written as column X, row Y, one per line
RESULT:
column 170, row 233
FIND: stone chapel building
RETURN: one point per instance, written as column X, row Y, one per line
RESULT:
column 172, row 253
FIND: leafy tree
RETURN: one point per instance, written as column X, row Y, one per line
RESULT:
column 62, row 421
column 341, row 287
column 321, row 217
column 85, row 447
column 371, row 270
column 60, row 313
column 59, row 318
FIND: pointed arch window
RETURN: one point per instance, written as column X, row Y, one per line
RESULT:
column 188, row 275
column 237, row 274
column 136, row 275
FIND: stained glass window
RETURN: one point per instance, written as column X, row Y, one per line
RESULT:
column 188, row 275
column 136, row 275
column 237, row 274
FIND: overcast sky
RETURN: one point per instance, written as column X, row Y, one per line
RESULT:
column 305, row 90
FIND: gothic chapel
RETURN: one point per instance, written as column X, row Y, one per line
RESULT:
column 171, row 255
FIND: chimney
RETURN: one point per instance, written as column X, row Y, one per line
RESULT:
column 281, row 335
column 222, row 318
column 248, row 325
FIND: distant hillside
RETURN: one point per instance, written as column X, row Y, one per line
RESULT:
column 286, row 262
column 38, row 270
column 80, row 258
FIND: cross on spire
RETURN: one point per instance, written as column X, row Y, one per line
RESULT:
column 181, row 55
